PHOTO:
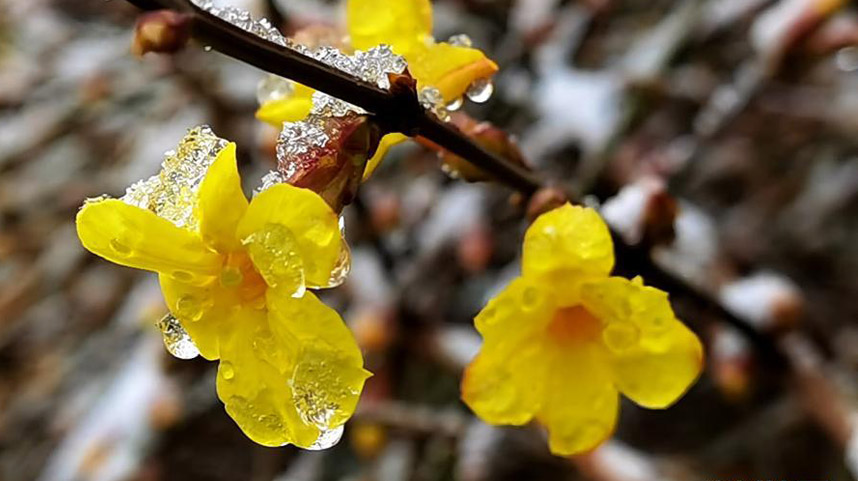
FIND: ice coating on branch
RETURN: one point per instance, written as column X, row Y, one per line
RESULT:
column 171, row 194
column 241, row 18
column 432, row 100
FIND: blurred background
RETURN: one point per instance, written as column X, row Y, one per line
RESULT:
column 722, row 132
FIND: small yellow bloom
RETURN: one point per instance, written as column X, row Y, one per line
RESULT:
column 563, row 339
column 405, row 25
column 290, row 370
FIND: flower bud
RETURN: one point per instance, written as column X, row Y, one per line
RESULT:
column 162, row 31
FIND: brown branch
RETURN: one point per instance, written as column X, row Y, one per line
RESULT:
column 399, row 110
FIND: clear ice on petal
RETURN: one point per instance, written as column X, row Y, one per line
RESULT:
column 328, row 438
column 172, row 193
column 176, row 339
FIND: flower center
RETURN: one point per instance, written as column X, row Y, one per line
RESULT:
column 238, row 273
column 574, row 325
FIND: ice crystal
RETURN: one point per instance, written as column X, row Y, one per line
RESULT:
column 171, row 194
column 432, row 100
column 176, row 339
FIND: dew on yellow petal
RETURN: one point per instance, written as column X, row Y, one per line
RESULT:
column 325, row 386
column 313, row 223
column 451, row 69
column 328, row 373
column 567, row 244
column 275, row 253
column 252, row 384
column 203, row 311
column 655, row 357
column 580, row 402
column 135, row 237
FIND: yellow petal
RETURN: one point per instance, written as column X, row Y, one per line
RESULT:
column 655, row 357
column 328, row 373
column 522, row 309
column 312, row 222
column 581, row 404
column 452, row 69
column 386, row 143
column 204, row 312
column 503, row 385
column 221, row 203
column 293, row 108
column 253, row 383
column 277, row 257
column 569, row 242
column 402, row 24
column 135, row 237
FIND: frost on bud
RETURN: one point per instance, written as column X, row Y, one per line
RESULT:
column 487, row 136
column 327, row 155
column 162, row 31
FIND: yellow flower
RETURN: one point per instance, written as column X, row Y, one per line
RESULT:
column 290, row 370
column 405, row 25
column 563, row 339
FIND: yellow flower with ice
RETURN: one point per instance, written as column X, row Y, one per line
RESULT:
column 406, row 26
column 562, row 340
column 234, row 274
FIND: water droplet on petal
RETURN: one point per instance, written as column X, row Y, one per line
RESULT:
column 620, row 336
column 182, row 276
column 226, row 370
column 274, row 252
column 119, row 248
column 176, row 339
column 327, row 439
column 481, row 90
column 460, row 40
column 189, row 308
column 342, row 268
column 530, row 298
column 456, row 104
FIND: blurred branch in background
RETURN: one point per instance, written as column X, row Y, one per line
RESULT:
column 761, row 203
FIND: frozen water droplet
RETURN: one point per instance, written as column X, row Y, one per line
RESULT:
column 176, row 339
column 481, row 90
column 530, row 298
column 455, row 104
column 189, row 308
column 273, row 88
column 620, row 336
column 274, row 252
column 182, row 276
column 460, row 40
column 432, row 100
column 327, row 438
column 172, row 193
column 226, row 370
column 119, row 248
column 342, row 268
